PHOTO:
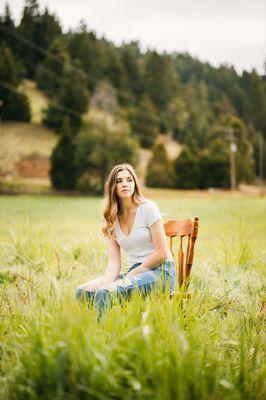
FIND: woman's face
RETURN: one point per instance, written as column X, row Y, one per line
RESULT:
column 125, row 184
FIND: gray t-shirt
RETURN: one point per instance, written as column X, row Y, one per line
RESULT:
column 138, row 244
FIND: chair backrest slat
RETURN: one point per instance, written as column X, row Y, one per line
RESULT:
column 181, row 228
column 180, row 263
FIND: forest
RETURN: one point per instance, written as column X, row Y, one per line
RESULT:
column 141, row 96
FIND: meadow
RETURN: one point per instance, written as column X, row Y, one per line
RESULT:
column 210, row 346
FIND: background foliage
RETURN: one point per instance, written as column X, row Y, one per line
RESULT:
column 151, row 93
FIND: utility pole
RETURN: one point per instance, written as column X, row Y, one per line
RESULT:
column 232, row 151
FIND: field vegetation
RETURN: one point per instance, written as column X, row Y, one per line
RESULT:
column 207, row 347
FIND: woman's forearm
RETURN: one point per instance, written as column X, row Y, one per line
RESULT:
column 112, row 272
column 150, row 262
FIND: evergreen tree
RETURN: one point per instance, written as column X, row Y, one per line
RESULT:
column 7, row 30
column 85, row 46
column 160, row 79
column 47, row 29
column 145, row 122
column 214, row 166
column 50, row 74
column 187, row 169
column 73, row 99
column 26, row 29
column 63, row 173
column 37, row 31
column 130, row 57
column 160, row 172
column 15, row 106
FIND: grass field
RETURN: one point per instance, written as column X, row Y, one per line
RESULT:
column 208, row 347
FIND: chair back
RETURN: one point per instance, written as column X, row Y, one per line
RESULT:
column 183, row 228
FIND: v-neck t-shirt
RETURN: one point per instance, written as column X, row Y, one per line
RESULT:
column 138, row 244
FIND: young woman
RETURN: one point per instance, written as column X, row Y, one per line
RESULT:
column 134, row 224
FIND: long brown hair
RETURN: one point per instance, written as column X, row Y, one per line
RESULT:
column 111, row 200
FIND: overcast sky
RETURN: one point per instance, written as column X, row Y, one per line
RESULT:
column 217, row 31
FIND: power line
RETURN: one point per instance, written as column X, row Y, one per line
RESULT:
column 67, row 110
column 53, row 56
column 60, row 107
column 57, row 105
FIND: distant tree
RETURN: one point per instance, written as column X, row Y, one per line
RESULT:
column 245, row 168
column 187, row 169
column 47, row 29
column 26, row 29
column 72, row 100
column 84, row 46
column 7, row 30
column 145, row 122
column 15, row 106
column 161, row 79
column 114, row 70
column 257, row 96
column 50, row 74
column 63, row 172
column 130, row 54
column 98, row 149
column 214, row 166
column 160, row 172
column 36, row 31
column 175, row 118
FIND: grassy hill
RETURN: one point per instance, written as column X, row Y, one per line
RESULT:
column 38, row 100
column 26, row 147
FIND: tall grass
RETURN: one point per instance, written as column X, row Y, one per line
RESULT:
column 207, row 347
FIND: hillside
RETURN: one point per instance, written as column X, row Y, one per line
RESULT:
column 38, row 101
column 26, row 147
column 25, row 150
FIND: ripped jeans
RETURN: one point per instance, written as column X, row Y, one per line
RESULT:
column 164, row 274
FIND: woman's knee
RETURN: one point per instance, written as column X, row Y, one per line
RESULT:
column 82, row 294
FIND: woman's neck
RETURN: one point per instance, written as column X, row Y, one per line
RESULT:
column 127, row 206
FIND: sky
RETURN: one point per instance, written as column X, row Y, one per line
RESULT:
column 231, row 32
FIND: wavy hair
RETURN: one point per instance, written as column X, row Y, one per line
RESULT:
column 111, row 200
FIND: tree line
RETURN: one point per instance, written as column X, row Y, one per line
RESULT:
column 143, row 94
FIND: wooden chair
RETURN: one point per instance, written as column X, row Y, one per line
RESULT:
column 182, row 228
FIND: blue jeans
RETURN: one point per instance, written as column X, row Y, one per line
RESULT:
column 164, row 274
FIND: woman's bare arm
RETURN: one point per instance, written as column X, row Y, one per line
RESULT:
column 160, row 252
column 114, row 263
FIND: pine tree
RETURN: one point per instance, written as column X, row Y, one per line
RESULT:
column 187, row 169
column 145, row 122
column 7, row 30
column 15, row 106
column 160, row 172
column 37, row 31
column 50, row 73
column 84, row 46
column 72, row 101
column 63, row 173
column 161, row 80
